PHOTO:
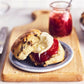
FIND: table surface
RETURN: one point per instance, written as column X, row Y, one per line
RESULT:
column 15, row 17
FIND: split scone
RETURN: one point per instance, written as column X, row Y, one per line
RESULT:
column 42, row 48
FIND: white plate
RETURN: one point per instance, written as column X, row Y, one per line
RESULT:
column 26, row 65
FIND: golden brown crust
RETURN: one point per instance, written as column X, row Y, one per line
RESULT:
column 22, row 37
column 20, row 45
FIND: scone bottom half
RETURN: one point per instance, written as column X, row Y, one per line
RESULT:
column 23, row 47
column 56, row 58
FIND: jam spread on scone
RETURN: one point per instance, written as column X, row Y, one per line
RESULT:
column 40, row 47
column 47, row 55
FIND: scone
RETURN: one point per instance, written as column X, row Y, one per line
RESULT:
column 55, row 58
column 22, row 47
column 41, row 47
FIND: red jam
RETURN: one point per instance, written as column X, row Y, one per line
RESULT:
column 60, row 23
column 47, row 55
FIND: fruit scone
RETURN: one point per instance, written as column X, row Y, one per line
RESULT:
column 41, row 47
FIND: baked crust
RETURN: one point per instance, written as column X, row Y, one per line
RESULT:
column 56, row 58
column 23, row 45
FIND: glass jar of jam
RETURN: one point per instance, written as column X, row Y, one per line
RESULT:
column 60, row 20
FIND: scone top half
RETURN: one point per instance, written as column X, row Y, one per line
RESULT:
column 23, row 45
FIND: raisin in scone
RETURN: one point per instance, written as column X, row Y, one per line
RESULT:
column 41, row 48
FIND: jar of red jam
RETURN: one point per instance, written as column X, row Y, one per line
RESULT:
column 60, row 20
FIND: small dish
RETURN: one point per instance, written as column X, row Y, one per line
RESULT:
column 81, row 21
column 26, row 65
column 82, row 26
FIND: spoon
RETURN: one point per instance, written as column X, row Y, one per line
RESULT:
column 69, row 3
